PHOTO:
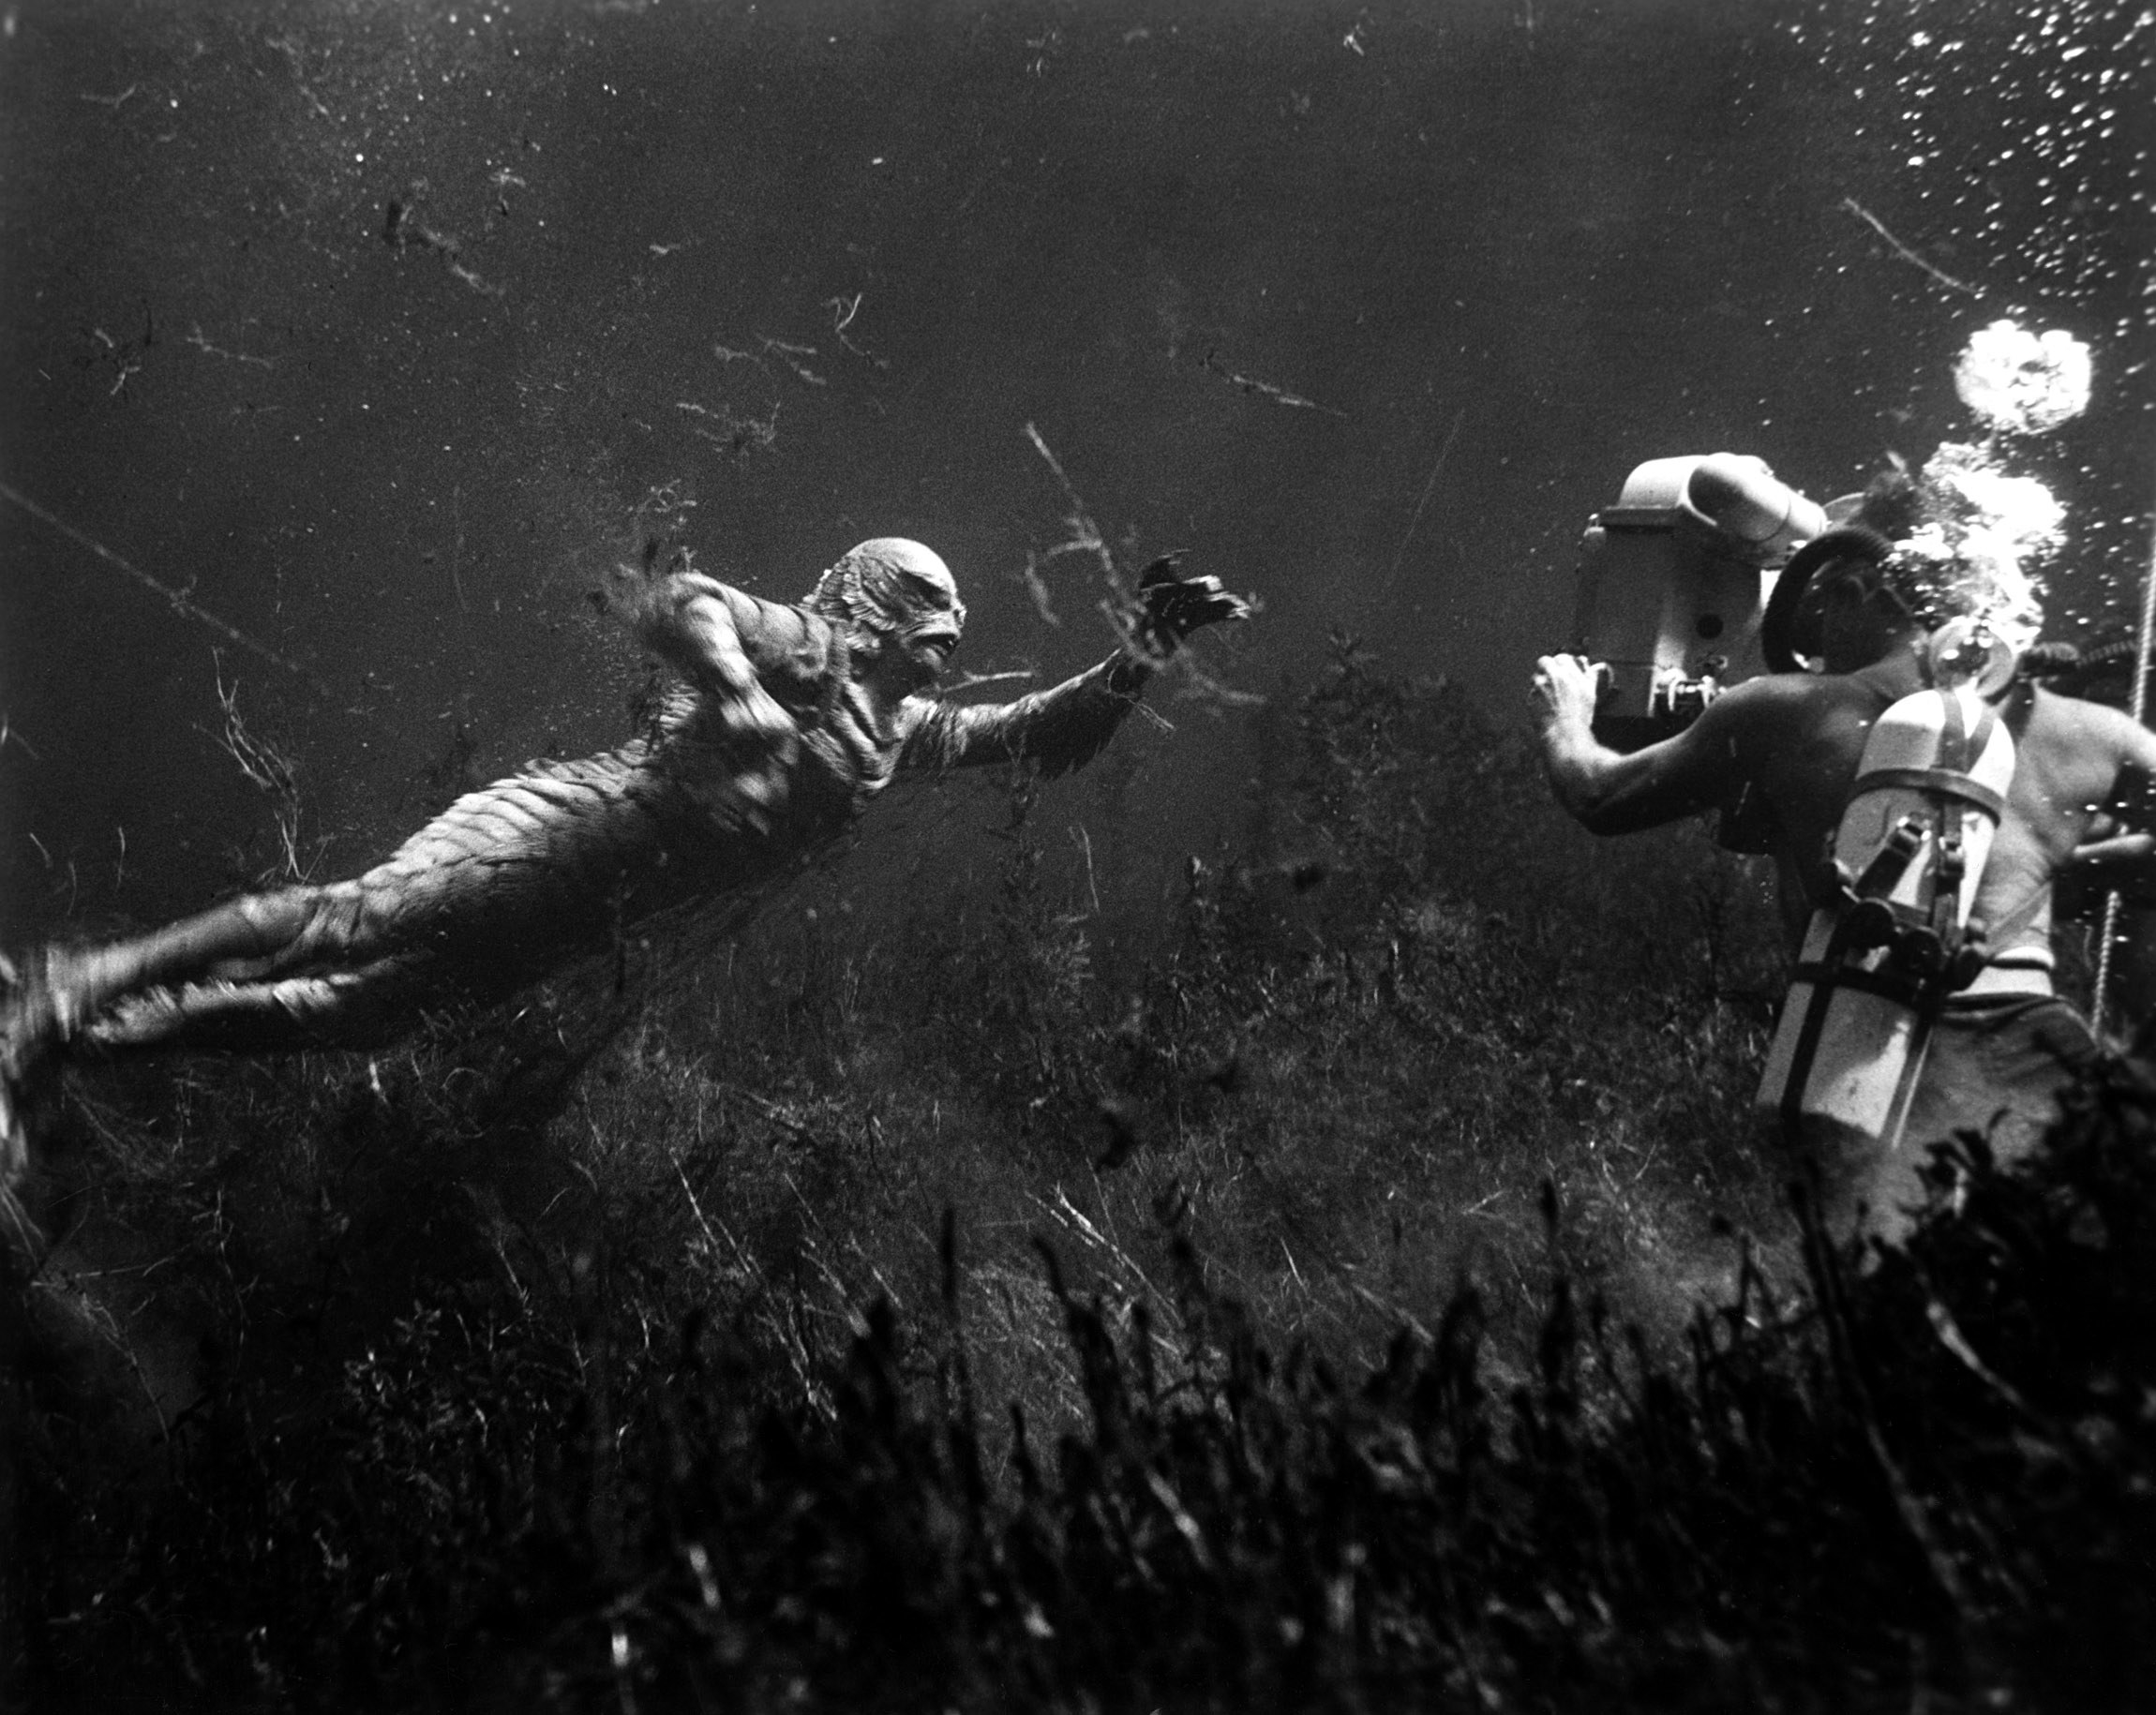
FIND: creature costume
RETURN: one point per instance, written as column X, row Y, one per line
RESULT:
column 792, row 720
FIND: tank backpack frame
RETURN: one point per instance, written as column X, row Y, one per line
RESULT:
column 1897, row 936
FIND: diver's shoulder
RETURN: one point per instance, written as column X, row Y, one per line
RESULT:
column 1769, row 694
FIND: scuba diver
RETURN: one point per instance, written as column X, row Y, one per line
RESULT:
column 1951, row 792
column 791, row 720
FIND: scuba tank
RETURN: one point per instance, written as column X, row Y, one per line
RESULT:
column 1897, row 935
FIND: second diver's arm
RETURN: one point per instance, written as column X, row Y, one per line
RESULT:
column 2118, row 848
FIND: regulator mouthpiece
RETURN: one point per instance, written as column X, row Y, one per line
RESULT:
column 1967, row 651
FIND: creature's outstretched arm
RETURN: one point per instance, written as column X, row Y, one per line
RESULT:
column 1056, row 730
column 1066, row 726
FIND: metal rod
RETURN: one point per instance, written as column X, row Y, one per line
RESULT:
column 178, row 600
column 2138, row 706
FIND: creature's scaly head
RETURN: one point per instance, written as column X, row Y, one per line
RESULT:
column 893, row 595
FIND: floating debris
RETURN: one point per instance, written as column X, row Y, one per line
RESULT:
column 403, row 228
column 1279, row 396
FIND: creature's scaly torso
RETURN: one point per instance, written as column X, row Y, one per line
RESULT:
column 564, row 854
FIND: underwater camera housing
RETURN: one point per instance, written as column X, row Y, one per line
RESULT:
column 1672, row 582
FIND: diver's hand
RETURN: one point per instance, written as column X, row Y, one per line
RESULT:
column 1565, row 691
column 1171, row 607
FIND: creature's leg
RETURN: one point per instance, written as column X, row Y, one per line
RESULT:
column 489, row 896
column 497, row 889
column 232, row 946
column 245, row 940
column 358, row 1009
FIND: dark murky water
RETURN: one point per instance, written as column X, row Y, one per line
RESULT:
column 379, row 330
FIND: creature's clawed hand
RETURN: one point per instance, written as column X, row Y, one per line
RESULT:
column 1171, row 607
column 629, row 587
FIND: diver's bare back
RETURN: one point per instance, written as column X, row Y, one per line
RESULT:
column 1801, row 738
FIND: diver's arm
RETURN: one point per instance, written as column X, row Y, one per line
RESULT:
column 1616, row 792
column 2116, row 860
column 2118, row 848
column 2134, row 786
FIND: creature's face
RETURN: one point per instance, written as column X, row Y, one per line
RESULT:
column 898, row 604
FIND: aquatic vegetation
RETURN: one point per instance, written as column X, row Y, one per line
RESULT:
column 638, row 1370
column 1308, row 1318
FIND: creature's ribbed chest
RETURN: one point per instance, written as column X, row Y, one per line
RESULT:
column 842, row 756
column 850, row 746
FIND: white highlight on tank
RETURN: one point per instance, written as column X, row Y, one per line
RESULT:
column 2023, row 384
